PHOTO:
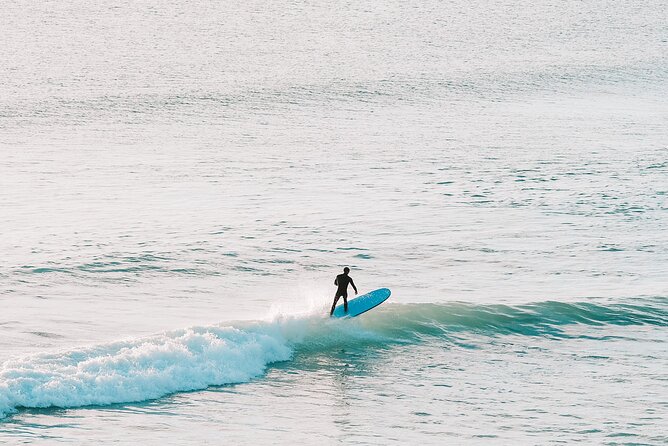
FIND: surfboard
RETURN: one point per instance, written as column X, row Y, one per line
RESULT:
column 362, row 304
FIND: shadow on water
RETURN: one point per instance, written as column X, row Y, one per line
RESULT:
column 44, row 422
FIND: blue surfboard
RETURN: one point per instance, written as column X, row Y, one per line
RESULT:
column 362, row 304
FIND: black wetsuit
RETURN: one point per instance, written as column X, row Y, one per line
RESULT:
column 342, row 281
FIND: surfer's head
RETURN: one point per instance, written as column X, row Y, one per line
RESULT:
column 346, row 270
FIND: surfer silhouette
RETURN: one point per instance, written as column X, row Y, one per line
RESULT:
column 342, row 281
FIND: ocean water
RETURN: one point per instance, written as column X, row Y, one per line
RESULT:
column 180, row 182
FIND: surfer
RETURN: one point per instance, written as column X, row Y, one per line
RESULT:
column 342, row 281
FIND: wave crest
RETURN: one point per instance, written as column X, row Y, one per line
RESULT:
column 138, row 370
column 547, row 318
column 195, row 358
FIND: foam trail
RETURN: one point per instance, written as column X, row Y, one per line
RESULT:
column 138, row 370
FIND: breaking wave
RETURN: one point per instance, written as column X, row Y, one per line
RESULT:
column 195, row 358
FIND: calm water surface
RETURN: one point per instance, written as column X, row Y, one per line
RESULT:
column 181, row 181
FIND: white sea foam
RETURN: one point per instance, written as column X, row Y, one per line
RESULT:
column 147, row 368
column 195, row 358
column 138, row 370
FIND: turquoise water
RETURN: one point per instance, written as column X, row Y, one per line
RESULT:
column 568, row 371
column 180, row 182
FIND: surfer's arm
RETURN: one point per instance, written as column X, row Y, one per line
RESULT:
column 336, row 281
column 353, row 284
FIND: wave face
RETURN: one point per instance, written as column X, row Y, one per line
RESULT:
column 549, row 318
column 195, row 358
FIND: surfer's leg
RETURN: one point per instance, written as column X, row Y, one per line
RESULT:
column 336, row 299
column 345, row 303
